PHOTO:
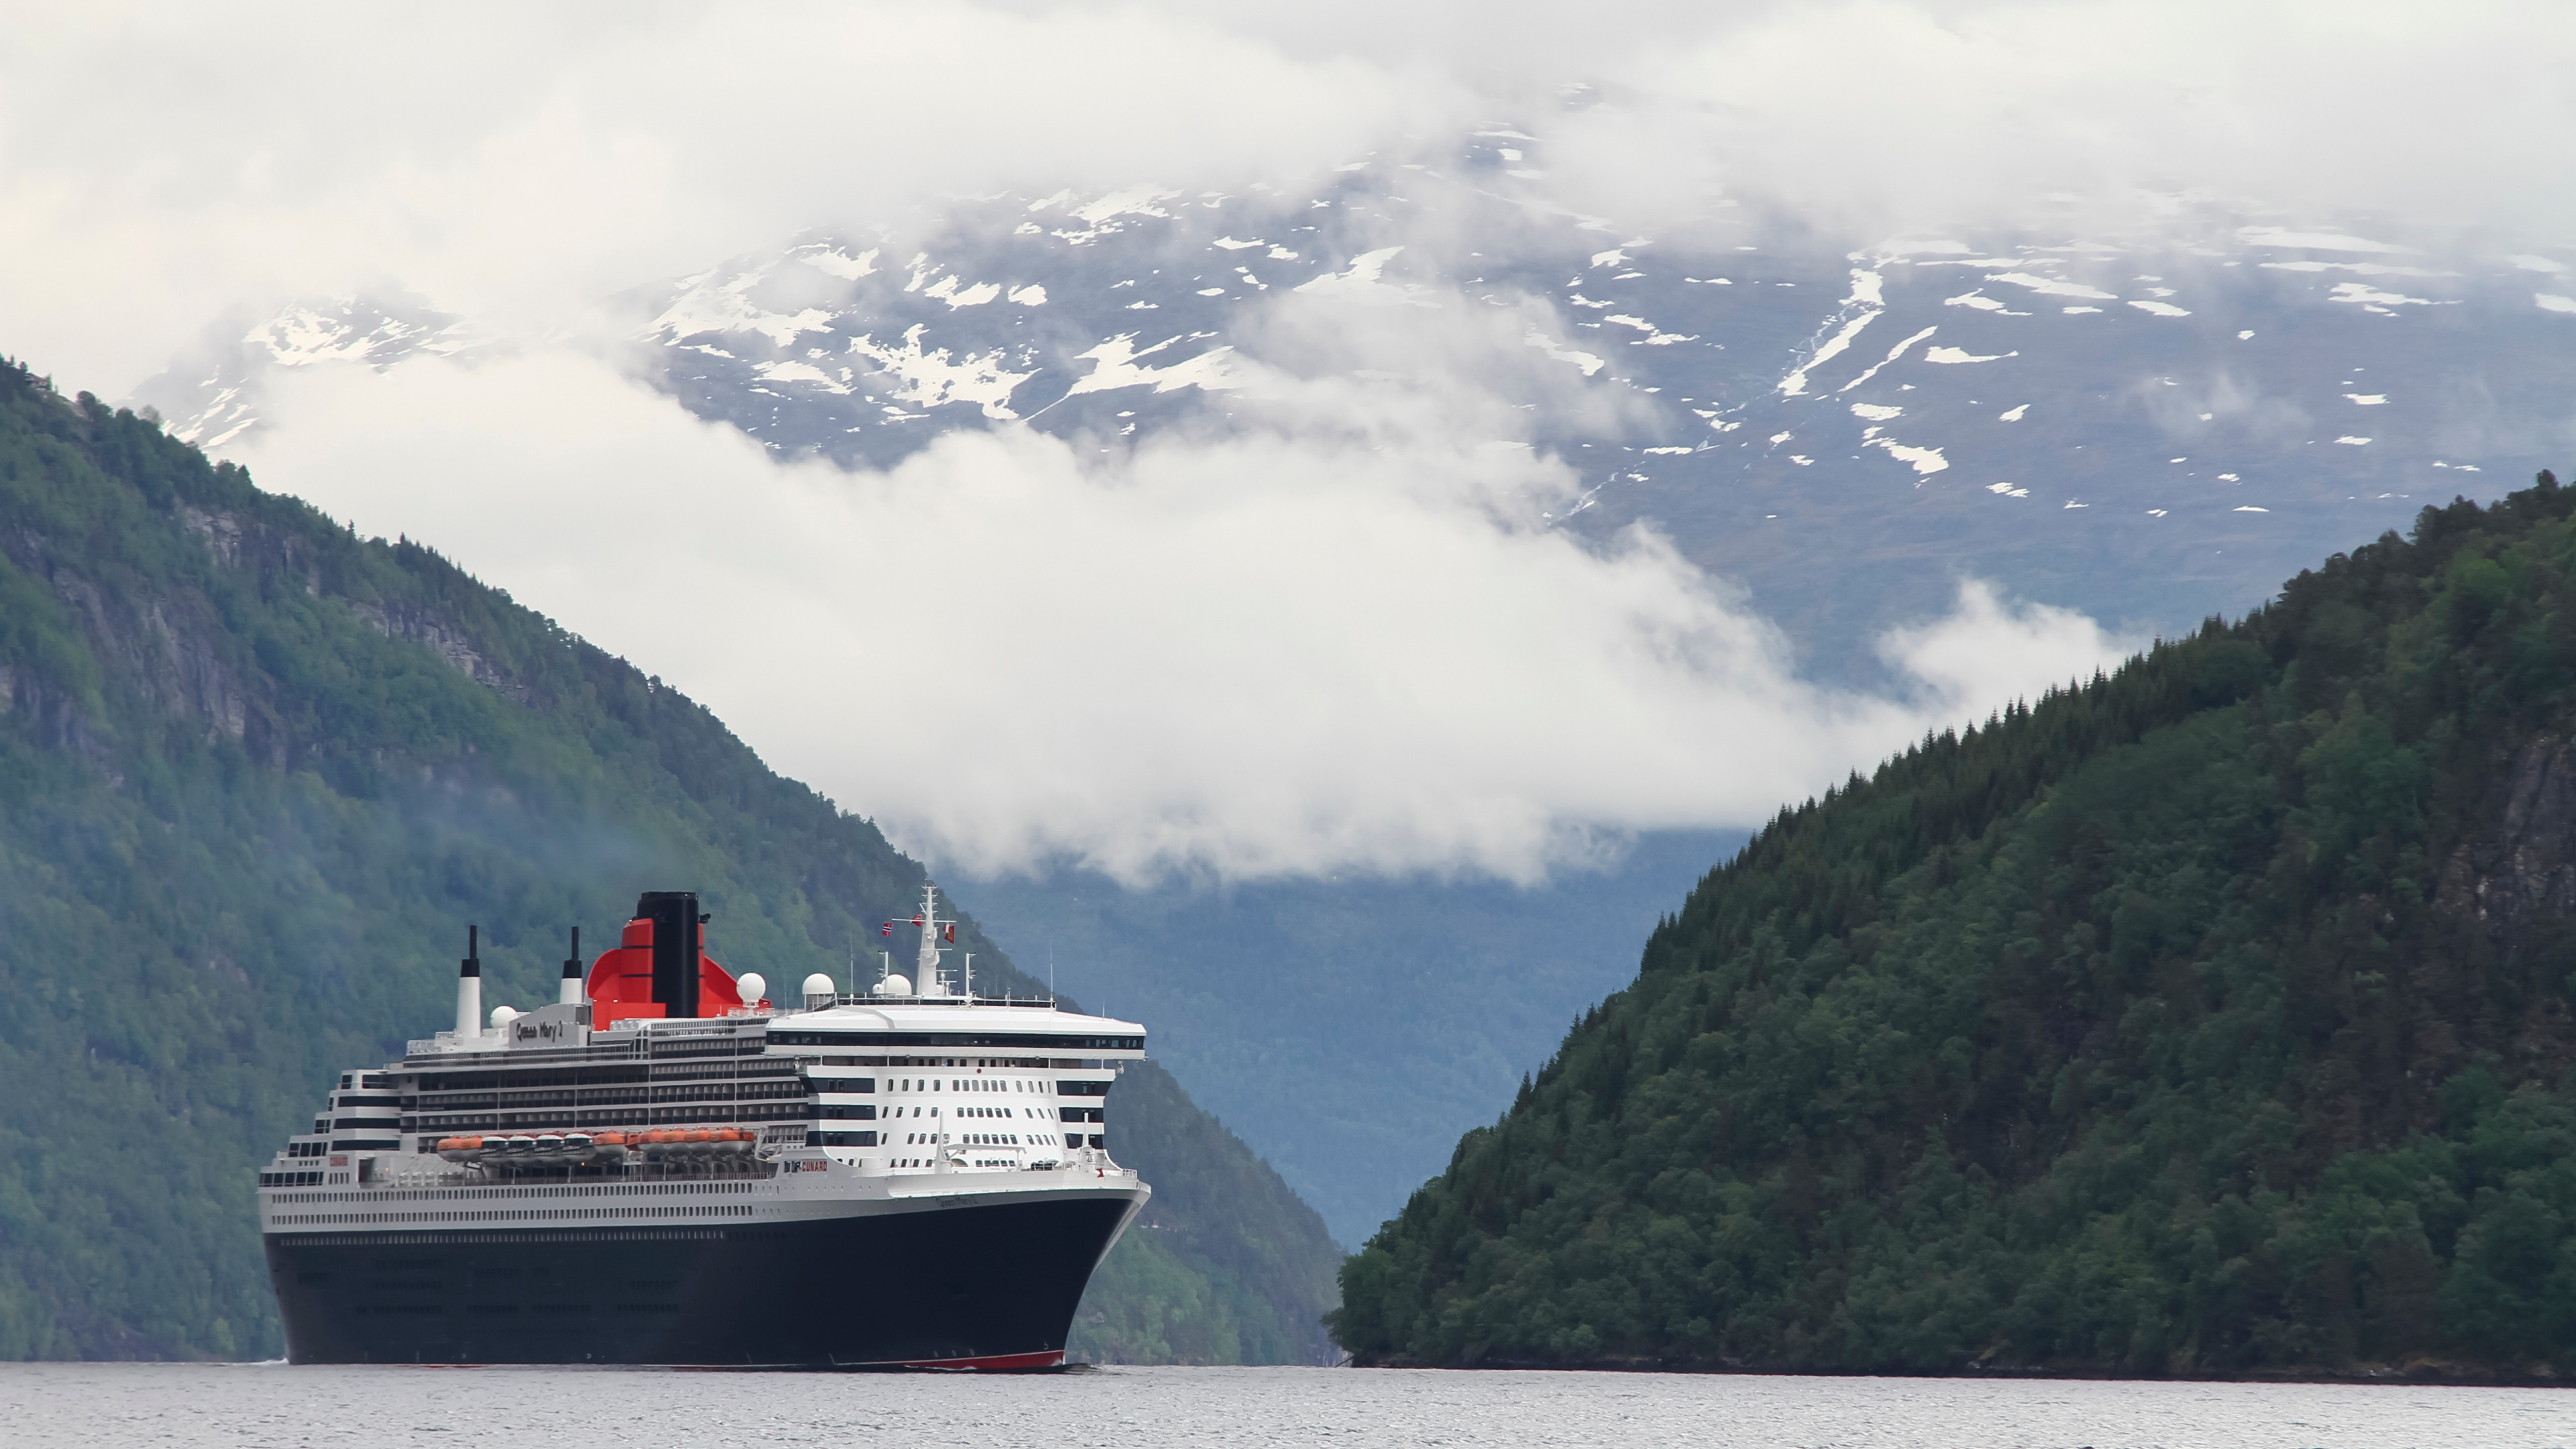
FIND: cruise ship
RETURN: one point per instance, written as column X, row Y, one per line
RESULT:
column 663, row 1167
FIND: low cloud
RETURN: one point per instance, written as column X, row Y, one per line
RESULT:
column 1334, row 623
column 1287, row 648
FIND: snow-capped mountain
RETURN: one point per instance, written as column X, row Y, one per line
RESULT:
column 213, row 397
column 2145, row 430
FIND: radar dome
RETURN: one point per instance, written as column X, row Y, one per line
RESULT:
column 752, row 986
column 818, row 984
column 502, row 1016
column 894, row 986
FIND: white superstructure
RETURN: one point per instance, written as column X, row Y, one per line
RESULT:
column 853, row 1105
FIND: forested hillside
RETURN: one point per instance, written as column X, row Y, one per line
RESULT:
column 2210, row 1018
column 256, row 774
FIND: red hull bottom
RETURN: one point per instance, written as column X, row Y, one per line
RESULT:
column 996, row 1362
column 1052, row 1358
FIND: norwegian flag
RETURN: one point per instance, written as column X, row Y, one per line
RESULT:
column 916, row 920
column 887, row 929
column 952, row 935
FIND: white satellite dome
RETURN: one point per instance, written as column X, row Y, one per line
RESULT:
column 751, row 986
column 818, row 984
column 894, row 986
column 502, row 1016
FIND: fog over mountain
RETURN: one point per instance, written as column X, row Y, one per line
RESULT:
column 1203, row 450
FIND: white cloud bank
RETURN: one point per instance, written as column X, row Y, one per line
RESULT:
column 161, row 165
column 1300, row 648
column 1344, row 636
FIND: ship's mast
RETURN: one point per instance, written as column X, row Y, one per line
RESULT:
column 926, row 965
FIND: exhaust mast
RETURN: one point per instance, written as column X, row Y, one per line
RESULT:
column 572, row 992
column 469, row 986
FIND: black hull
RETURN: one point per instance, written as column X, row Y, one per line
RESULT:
column 991, row 1285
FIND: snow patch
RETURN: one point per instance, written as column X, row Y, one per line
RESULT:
column 1865, row 293
column 1032, row 295
column 2161, row 309
column 1923, row 460
column 725, row 308
column 2013, row 416
column 1115, row 366
column 1655, row 336
column 2352, row 441
column 1893, row 353
column 2550, row 303
column 1559, row 352
column 974, row 296
column 1133, row 201
column 2364, row 269
column 798, row 372
column 2309, row 241
column 1961, row 354
column 930, row 379
column 2367, row 295
column 832, row 261
column 2050, row 286
column 1365, row 282
column 2367, row 399
column 1876, row 413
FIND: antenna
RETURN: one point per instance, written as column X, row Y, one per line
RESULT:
column 970, row 978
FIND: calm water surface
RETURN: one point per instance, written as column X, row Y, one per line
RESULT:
column 108, row 1406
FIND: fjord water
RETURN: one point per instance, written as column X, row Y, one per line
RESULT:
column 187, row 1405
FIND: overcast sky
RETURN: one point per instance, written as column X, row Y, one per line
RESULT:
column 1340, row 635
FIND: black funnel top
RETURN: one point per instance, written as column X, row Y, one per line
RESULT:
column 674, row 915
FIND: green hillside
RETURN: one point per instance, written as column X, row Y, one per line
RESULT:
column 256, row 774
column 2211, row 1018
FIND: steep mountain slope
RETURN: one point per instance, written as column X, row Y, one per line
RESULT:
column 2214, row 1017
column 256, row 774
